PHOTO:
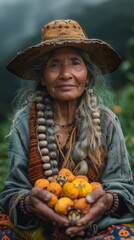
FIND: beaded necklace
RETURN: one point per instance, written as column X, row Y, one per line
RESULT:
column 44, row 147
column 45, row 135
column 48, row 145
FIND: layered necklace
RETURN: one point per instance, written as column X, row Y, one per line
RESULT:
column 48, row 144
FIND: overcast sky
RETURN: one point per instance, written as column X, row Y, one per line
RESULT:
column 23, row 17
column 14, row 1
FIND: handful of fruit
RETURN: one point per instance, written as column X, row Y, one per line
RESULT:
column 68, row 194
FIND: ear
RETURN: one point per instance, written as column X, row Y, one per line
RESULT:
column 42, row 81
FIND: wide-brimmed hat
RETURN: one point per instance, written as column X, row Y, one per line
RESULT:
column 62, row 33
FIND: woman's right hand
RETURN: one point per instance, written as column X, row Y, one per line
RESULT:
column 36, row 203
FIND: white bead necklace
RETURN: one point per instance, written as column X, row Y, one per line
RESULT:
column 47, row 146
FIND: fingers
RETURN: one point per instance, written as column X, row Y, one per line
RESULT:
column 46, row 213
column 73, row 231
column 78, row 230
column 99, row 201
column 95, row 195
column 41, row 194
column 34, row 198
column 37, row 204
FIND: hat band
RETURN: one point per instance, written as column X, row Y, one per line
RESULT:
column 63, row 33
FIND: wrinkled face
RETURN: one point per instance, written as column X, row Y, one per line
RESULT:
column 65, row 75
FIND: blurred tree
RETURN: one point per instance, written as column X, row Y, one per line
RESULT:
column 125, row 109
column 4, row 130
column 128, row 65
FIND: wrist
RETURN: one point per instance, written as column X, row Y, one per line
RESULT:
column 110, row 200
column 114, row 203
column 24, row 203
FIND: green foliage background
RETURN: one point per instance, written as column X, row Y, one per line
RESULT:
column 4, row 130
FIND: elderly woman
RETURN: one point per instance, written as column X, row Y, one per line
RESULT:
column 64, row 124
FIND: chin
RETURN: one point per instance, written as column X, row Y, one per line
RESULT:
column 69, row 98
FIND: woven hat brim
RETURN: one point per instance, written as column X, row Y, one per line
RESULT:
column 100, row 53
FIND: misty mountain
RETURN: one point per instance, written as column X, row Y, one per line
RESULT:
column 21, row 22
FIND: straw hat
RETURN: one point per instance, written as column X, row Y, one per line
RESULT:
column 62, row 33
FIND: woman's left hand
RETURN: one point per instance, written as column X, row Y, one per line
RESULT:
column 100, row 203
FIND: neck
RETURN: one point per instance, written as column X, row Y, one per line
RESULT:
column 64, row 112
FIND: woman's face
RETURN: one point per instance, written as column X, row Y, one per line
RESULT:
column 65, row 75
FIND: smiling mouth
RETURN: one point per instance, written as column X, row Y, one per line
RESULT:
column 66, row 86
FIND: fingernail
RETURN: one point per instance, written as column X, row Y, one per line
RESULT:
column 89, row 199
column 48, row 196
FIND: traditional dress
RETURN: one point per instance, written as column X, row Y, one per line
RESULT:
column 116, row 176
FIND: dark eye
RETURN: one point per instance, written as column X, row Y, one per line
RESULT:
column 54, row 64
column 76, row 62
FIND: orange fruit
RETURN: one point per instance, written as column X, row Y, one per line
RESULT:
column 69, row 190
column 63, row 205
column 67, row 173
column 83, row 187
column 55, row 188
column 82, row 205
column 42, row 183
column 82, row 177
column 53, row 200
column 95, row 185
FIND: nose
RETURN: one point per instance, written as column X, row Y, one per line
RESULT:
column 65, row 72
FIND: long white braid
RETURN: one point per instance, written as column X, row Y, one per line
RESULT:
column 88, row 142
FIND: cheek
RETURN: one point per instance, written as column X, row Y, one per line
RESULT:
column 46, row 80
column 83, row 80
column 81, row 89
column 49, row 84
column 49, row 78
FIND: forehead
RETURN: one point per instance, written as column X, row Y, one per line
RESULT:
column 65, row 51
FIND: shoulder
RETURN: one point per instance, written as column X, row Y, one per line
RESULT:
column 21, row 120
column 110, row 123
column 107, row 113
column 22, row 114
column 19, row 134
column 108, row 117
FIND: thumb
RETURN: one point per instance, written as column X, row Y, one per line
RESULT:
column 95, row 195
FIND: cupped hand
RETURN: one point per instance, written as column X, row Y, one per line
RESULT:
column 100, row 203
column 36, row 203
